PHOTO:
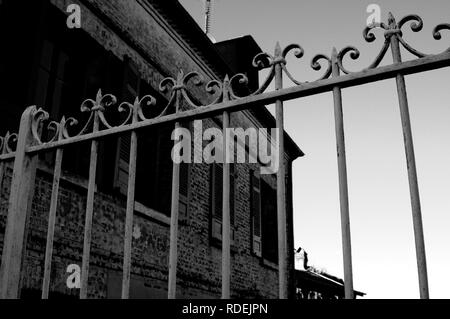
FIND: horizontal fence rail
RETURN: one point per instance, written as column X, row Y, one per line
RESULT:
column 24, row 147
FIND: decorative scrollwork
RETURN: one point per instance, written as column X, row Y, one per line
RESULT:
column 64, row 126
column 58, row 131
column 215, row 87
column 437, row 31
column 416, row 24
column 368, row 32
column 197, row 80
column 298, row 53
column 392, row 29
column 263, row 61
column 99, row 106
column 146, row 100
column 179, row 85
column 414, row 19
column 369, row 36
column 96, row 107
column 38, row 116
column 176, row 89
column 54, row 127
column 7, row 142
column 316, row 66
column 354, row 55
column 239, row 79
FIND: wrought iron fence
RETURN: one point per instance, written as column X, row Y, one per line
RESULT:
column 336, row 77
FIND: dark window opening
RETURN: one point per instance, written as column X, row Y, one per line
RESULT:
column 263, row 203
column 216, row 194
column 269, row 222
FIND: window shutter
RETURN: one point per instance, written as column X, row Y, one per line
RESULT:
column 216, row 200
column 255, row 186
column 269, row 222
column 184, row 189
column 131, row 86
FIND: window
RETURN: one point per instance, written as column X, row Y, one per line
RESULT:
column 154, row 161
column 131, row 90
column 264, row 219
column 66, row 74
column 68, row 68
column 216, row 201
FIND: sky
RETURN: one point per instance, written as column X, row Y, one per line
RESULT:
column 384, row 264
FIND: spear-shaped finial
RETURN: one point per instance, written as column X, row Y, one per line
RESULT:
column 334, row 54
column 180, row 76
column 278, row 49
column 99, row 95
column 391, row 19
column 226, row 88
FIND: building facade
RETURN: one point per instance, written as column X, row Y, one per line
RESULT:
column 127, row 48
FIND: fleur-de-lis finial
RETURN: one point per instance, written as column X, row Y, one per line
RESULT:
column 180, row 77
column 334, row 54
column 278, row 50
column 226, row 88
column 391, row 20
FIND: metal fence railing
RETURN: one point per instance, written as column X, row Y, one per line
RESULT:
column 28, row 144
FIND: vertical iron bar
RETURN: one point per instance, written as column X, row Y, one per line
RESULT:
column 343, row 185
column 51, row 223
column 173, row 250
column 19, row 207
column 89, row 211
column 226, row 227
column 127, row 249
column 2, row 162
column 281, row 182
column 2, row 173
column 411, row 166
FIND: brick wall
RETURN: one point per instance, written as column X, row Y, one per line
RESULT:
column 199, row 266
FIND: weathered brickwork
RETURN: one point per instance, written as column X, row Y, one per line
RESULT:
column 199, row 261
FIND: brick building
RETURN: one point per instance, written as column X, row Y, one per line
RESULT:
column 126, row 48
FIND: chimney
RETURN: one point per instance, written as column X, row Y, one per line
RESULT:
column 208, row 19
column 301, row 259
